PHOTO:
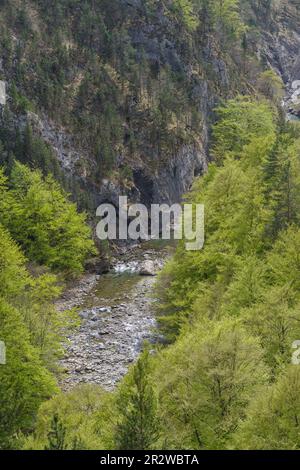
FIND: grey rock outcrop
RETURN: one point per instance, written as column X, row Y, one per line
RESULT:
column 2, row 93
column 148, row 268
column 280, row 42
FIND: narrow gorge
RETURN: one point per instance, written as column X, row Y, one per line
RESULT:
column 115, row 341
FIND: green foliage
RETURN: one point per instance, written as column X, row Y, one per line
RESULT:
column 271, row 86
column 227, row 18
column 77, row 420
column 13, row 275
column 21, row 103
column 245, row 281
column 30, row 326
column 276, row 322
column 45, row 223
column 56, row 435
column 281, row 179
column 273, row 418
column 48, row 327
column 240, row 121
column 223, row 17
column 205, row 380
column 138, row 426
column 24, row 381
column 284, row 260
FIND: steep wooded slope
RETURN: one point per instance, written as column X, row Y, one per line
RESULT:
column 122, row 92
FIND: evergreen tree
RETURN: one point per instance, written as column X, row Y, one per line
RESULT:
column 56, row 435
column 138, row 427
column 271, row 86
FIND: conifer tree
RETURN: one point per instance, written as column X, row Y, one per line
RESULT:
column 56, row 435
column 138, row 427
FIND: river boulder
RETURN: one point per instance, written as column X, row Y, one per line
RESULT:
column 148, row 268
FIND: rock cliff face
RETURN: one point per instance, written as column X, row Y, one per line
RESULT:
column 142, row 128
column 154, row 177
column 280, row 44
column 279, row 48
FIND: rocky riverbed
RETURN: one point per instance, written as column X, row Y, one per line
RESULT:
column 117, row 316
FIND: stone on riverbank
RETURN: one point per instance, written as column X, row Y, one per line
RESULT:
column 148, row 268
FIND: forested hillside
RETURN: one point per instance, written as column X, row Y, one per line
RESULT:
column 146, row 98
column 117, row 96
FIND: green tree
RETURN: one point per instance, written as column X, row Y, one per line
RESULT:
column 281, row 180
column 246, row 287
column 228, row 22
column 56, row 435
column 24, row 381
column 271, row 86
column 46, row 224
column 277, row 323
column 14, row 277
column 205, row 381
column 273, row 417
column 186, row 13
column 81, row 418
column 284, row 260
column 138, row 426
column 240, row 121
